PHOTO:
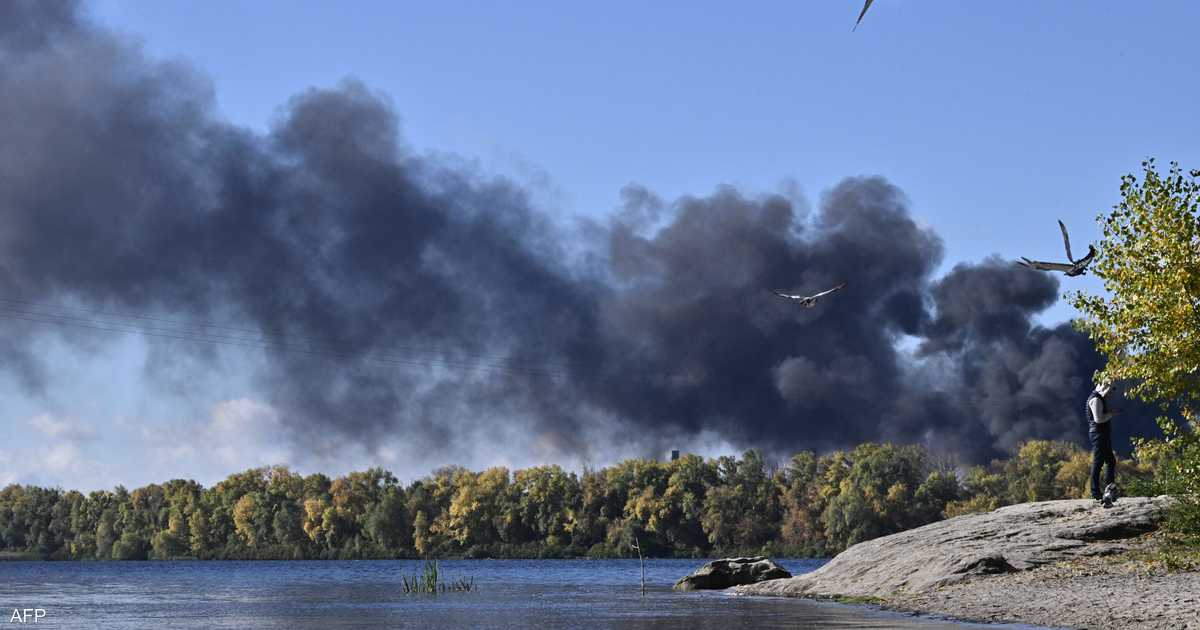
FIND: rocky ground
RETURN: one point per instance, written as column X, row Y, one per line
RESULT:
column 1123, row 591
column 1056, row 563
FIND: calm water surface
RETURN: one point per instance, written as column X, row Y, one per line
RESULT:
column 366, row 594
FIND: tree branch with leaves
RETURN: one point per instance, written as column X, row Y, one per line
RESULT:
column 1149, row 323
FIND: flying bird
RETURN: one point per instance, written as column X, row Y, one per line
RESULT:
column 1076, row 268
column 809, row 301
column 862, row 13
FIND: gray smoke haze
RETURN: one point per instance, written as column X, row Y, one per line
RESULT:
column 122, row 188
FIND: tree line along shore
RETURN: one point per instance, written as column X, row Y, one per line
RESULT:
column 812, row 505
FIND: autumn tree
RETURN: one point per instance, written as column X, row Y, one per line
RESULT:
column 1035, row 473
column 478, row 507
column 1149, row 259
column 802, row 502
column 680, row 515
column 1148, row 324
column 877, row 494
column 546, row 501
column 741, row 511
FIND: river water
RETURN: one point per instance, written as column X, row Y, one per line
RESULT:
column 538, row 594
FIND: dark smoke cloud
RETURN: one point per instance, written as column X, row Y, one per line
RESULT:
column 120, row 187
column 694, row 304
column 1013, row 379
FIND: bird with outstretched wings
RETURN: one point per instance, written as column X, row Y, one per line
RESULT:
column 809, row 301
column 1075, row 268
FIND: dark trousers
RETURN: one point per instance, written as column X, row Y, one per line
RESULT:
column 1100, row 436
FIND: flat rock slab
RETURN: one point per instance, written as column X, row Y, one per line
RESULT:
column 1009, row 539
column 1093, row 593
column 731, row 572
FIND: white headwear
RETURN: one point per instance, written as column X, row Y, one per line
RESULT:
column 1103, row 388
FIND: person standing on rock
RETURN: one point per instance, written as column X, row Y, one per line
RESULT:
column 1100, row 435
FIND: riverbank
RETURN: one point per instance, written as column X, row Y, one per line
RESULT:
column 1055, row 563
column 1122, row 591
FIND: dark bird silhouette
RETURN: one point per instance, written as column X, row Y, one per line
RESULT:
column 866, row 6
column 809, row 301
column 1075, row 268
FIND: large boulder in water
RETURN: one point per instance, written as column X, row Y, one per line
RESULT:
column 728, row 572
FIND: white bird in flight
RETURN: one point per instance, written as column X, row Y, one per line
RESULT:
column 809, row 301
column 1076, row 268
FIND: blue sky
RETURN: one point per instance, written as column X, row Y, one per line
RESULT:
column 996, row 118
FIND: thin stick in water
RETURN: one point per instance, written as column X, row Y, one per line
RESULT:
column 642, row 562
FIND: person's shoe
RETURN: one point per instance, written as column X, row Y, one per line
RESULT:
column 1110, row 495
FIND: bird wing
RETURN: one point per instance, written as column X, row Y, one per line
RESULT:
column 1087, row 259
column 866, row 6
column 1066, row 241
column 827, row 292
column 790, row 297
column 1045, row 266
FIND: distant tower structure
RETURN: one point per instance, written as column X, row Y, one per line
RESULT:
column 674, row 455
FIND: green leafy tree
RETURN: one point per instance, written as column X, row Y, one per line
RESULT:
column 1149, row 323
column 983, row 490
column 876, row 496
column 1149, row 259
column 477, row 506
column 388, row 525
column 425, row 541
column 741, row 512
column 1035, row 473
column 547, row 499
column 593, row 517
column 938, row 490
column 130, row 546
column 802, row 503
column 199, row 539
column 106, row 534
column 681, row 512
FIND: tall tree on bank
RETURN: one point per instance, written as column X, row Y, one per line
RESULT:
column 1149, row 324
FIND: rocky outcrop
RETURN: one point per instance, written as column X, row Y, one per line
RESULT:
column 1009, row 539
column 732, row 572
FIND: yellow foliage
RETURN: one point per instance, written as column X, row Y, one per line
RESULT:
column 243, row 512
column 1149, row 324
column 974, row 505
column 314, row 517
column 1074, row 476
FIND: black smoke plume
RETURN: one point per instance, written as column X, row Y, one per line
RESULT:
column 121, row 188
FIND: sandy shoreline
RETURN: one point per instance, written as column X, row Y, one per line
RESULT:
column 1116, row 592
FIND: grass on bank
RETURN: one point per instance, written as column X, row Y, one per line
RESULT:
column 1180, row 553
column 1179, row 546
column 1175, row 460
